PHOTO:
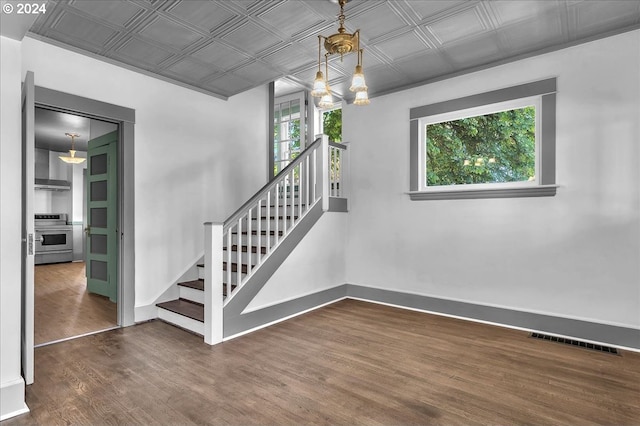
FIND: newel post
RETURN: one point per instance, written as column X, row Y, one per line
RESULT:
column 324, row 170
column 213, row 314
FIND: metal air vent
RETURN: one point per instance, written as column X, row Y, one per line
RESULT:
column 586, row 345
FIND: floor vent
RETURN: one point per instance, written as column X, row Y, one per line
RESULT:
column 599, row 348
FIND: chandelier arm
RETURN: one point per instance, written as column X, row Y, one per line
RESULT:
column 357, row 32
column 326, row 66
column 319, row 49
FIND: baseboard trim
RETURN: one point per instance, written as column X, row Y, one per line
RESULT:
column 12, row 399
column 621, row 337
column 603, row 334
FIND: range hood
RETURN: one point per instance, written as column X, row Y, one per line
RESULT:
column 52, row 184
column 49, row 172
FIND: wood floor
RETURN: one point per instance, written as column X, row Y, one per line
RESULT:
column 348, row 363
column 63, row 307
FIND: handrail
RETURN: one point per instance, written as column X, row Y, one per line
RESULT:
column 270, row 184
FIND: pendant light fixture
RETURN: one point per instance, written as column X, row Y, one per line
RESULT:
column 72, row 159
column 340, row 43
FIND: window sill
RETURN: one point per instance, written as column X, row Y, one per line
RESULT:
column 530, row 191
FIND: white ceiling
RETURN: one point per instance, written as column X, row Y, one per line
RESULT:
column 224, row 47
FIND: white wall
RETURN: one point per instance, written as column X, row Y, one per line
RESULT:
column 316, row 264
column 11, row 383
column 197, row 158
column 574, row 255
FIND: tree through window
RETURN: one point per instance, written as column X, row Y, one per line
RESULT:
column 491, row 148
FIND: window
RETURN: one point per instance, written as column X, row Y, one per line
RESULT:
column 289, row 130
column 496, row 144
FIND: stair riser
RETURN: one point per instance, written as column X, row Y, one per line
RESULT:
column 191, row 294
column 181, row 321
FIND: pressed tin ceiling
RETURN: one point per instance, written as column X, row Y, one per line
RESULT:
column 224, row 47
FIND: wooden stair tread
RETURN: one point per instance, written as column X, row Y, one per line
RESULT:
column 195, row 284
column 199, row 285
column 185, row 308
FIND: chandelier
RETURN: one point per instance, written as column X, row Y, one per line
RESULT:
column 72, row 159
column 339, row 43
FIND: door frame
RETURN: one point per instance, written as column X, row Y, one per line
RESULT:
column 125, row 119
column 27, row 272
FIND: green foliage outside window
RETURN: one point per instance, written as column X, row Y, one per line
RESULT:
column 332, row 124
column 490, row 148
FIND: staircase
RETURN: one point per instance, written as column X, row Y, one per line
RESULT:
column 246, row 241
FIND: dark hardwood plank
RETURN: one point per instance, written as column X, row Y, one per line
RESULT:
column 195, row 284
column 347, row 363
column 184, row 307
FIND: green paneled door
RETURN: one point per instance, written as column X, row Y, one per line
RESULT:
column 102, row 220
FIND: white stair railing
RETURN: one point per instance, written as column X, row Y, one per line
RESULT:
column 236, row 249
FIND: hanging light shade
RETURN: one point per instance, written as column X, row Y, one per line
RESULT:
column 357, row 82
column 319, row 86
column 340, row 43
column 326, row 101
column 362, row 98
column 72, row 159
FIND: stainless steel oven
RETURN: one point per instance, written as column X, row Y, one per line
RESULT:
column 53, row 239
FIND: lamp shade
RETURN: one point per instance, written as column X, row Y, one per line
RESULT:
column 72, row 159
column 357, row 82
column 362, row 98
column 327, row 100
column 319, row 86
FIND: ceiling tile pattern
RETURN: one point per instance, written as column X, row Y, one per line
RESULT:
column 224, row 47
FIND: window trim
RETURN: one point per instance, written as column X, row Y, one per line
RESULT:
column 544, row 185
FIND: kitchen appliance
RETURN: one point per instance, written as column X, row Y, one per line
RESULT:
column 50, row 171
column 54, row 238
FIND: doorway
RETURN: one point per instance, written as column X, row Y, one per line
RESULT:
column 32, row 97
column 63, row 306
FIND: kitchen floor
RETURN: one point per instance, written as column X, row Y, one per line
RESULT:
column 64, row 308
